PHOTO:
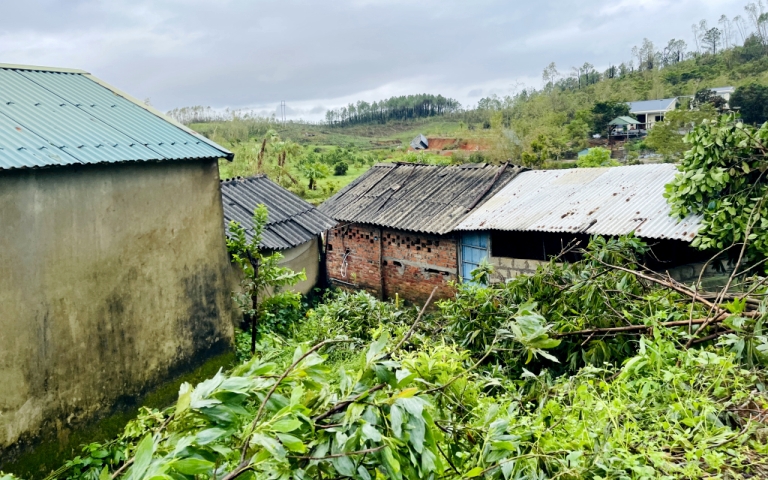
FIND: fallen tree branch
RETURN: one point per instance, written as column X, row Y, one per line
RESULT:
column 263, row 405
column 635, row 328
column 345, row 454
column 416, row 322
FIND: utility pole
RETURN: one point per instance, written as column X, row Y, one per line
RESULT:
column 282, row 110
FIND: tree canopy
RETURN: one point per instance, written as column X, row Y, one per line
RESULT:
column 395, row 108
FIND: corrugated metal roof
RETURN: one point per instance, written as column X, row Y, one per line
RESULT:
column 652, row 105
column 53, row 116
column 723, row 90
column 599, row 201
column 291, row 221
column 415, row 197
column 623, row 121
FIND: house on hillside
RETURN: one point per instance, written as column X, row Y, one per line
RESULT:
column 649, row 112
column 724, row 92
column 113, row 259
column 395, row 226
column 540, row 213
column 293, row 226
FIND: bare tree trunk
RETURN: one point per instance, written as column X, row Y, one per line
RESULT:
column 255, row 316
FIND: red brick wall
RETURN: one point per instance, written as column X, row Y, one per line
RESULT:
column 362, row 269
column 413, row 264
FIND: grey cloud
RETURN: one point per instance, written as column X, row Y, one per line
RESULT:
column 237, row 53
column 474, row 93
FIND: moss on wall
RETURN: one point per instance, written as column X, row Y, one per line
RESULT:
column 49, row 455
column 114, row 280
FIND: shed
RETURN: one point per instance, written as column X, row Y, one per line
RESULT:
column 395, row 226
column 420, row 143
column 541, row 212
column 113, row 255
column 293, row 226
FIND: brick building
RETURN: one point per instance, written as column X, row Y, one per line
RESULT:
column 395, row 231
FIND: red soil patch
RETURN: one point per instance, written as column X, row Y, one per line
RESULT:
column 450, row 144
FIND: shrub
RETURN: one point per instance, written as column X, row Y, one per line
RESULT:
column 340, row 168
column 597, row 157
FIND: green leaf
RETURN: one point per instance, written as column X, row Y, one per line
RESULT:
column 377, row 347
column 292, row 443
column 193, row 466
column 369, row 432
column 475, row 472
column 270, row 445
column 286, row 424
column 210, row 435
column 143, row 458
column 391, row 464
column 396, row 419
column 344, row 465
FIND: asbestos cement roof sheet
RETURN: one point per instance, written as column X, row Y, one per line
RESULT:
column 291, row 220
column 416, row 197
column 53, row 116
column 597, row 201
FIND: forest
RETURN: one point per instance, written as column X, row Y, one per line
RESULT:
column 396, row 108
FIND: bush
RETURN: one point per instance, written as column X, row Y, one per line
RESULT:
column 597, row 157
column 340, row 169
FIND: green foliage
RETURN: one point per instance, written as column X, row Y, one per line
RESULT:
column 313, row 169
column 260, row 296
column 396, row 108
column 752, row 102
column 668, row 412
column 355, row 315
column 604, row 112
column 340, row 168
column 596, row 157
column 666, row 137
column 722, row 178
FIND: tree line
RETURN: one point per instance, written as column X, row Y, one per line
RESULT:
column 400, row 108
column 746, row 36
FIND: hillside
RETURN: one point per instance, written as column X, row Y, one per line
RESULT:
column 539, row 128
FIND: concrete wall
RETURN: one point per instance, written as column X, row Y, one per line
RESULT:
column 509, row 268
column 113, row 279
column 404, row 263
column 304, row 257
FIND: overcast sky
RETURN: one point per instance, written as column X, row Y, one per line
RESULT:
column 316, row 54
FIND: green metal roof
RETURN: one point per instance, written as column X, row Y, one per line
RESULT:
column 55, row 116
column 623, row 121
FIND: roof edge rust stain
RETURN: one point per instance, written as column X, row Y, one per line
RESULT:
column 59, row 116
column 596, row 201
column 417, row 197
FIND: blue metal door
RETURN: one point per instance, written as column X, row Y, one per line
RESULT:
column 474, row 249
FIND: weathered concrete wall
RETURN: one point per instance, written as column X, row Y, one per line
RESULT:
column 113, row 278
column 304, row 257
column 509, row 268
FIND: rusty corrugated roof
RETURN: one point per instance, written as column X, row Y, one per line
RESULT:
column 291, row 220
column 600, row 201
column 417, row 197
